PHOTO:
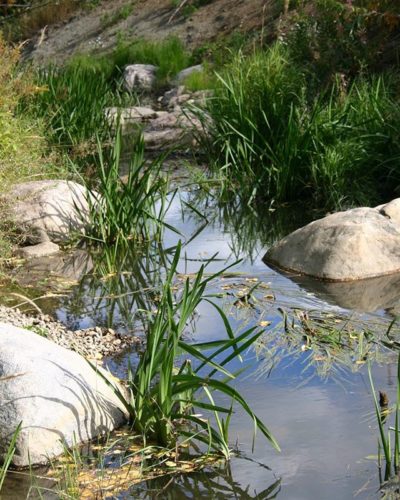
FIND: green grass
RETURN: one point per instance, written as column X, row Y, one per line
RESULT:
column 200, row 80
column 175, row 380
column 169, row 55
column 72, row 104
column 273, row 139
column 9, row 455
column 391, row 454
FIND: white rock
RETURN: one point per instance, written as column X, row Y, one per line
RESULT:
column 139, row 76
column 128, row 116
column 55, row 393
column 177, row 129
column 355, row 244
column 48, row 210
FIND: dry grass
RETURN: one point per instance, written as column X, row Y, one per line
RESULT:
column 43, row 13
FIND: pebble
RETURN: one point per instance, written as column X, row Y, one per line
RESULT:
column 93, row 343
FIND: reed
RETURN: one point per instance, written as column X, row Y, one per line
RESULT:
column 174, row 379
column 9, row 456
column 130, row 209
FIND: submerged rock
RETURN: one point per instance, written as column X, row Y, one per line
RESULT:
column 351, row 245
column 139, row 76
column 47, row 211
column 55, row 393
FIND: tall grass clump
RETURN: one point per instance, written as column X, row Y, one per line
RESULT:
column 72, row 104
column 176, row 380
column 23, row 151
column 130, row 208
column 273, row 138
column 255, row 107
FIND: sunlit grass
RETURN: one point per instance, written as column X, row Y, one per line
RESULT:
column 273, row 139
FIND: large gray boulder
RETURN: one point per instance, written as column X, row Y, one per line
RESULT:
column 139, row 77
column 47, row 211
column 352, row 245
column 55, row 393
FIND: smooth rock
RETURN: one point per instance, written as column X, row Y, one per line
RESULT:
column 180, row 77
column 352, row 245
column 49, row 210
column 126, row 117
column 38, row 251
column 139, row 76
column 391, row 210
column 55, row 393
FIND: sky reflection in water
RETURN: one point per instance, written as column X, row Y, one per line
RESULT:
column 325, row 427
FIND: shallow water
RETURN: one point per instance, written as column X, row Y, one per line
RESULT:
column 322, row 419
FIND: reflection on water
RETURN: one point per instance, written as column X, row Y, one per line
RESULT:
column 215, row 483
column 368, row 295
column 325, row 428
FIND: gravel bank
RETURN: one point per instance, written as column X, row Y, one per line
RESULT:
column 94, row 343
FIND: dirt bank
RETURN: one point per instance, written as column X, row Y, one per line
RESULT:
column 98, row 29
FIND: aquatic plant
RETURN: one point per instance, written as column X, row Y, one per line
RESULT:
column 391, row 454
column 130, row 208
column 166, row 391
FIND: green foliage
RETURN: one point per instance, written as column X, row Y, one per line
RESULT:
column 169, row 55
column 337, row 36
column 272, row 139
column 167, row 391
column 21, row 136
column 200, row 80
column 127, row 209
column 72, row 104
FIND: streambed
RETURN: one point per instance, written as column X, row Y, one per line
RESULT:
column 316, row 402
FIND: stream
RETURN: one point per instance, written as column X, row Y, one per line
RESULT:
column 316, row 402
